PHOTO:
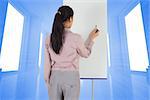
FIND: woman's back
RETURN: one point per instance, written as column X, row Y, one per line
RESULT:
column 73, row 47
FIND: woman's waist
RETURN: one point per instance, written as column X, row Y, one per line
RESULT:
column 65, row 67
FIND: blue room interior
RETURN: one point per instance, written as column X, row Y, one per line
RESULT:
column 28, row 84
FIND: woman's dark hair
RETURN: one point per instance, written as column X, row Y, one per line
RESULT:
column 57, row 37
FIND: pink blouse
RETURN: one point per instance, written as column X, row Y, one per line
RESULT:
column 72, row 49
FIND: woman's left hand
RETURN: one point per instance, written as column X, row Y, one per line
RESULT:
column 47, row 81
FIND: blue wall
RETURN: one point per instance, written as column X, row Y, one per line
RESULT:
column 119, row 70
column 119, row 73
column 146, row 20
column 117, row 9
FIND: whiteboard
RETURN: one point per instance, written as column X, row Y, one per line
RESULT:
column 87, row 14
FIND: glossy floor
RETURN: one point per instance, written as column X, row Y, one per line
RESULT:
column 119, row 86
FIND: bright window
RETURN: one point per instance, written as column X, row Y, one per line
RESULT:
column 11, row 44
column 136, row 40
column 108, row 51
column 40, row 50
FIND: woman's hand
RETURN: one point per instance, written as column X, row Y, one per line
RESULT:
column 94, row 33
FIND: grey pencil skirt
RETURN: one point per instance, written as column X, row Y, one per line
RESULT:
column 64, row 85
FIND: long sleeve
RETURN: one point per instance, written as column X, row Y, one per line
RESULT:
column 47, row 61
column 84, row 48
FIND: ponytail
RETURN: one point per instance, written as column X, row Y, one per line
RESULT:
column 57, row 36
column 57, row 33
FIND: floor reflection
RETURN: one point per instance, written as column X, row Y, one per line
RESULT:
column 119, row 86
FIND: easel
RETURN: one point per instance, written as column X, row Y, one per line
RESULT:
column 92, row 90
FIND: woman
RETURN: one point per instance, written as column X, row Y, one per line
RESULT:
column 62, row 51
